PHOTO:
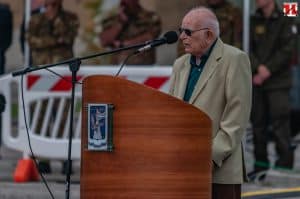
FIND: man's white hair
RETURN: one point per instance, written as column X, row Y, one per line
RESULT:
column 210, row 20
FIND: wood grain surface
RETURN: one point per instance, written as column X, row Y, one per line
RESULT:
column 162, row 145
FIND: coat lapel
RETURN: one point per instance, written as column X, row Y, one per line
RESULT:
column 184, row 74
column 209, row 68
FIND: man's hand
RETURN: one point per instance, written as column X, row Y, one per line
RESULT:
column 117, row 44
column 109, row 36
column 257, row 80
column 264, row 72
column 122, row 15
column 51, row 10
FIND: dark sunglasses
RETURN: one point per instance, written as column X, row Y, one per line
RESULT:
column 189, row 32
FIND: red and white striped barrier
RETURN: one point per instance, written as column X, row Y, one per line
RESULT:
column 47, row 106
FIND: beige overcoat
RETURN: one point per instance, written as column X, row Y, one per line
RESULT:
column 223, row 92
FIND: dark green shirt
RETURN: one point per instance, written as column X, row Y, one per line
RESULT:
column 195, row 73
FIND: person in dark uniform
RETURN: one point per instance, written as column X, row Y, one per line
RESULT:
column 5, row 33
column 272, row 40
column 6, row 27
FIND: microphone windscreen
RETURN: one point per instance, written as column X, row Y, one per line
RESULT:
column 171, row 37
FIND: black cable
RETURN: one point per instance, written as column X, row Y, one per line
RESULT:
column 62, row 77
column 124, row 63
column 28, row 137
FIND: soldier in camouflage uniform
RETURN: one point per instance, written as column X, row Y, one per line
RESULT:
column 230, row 20
column 51, row 34
column 272, row 40
column 131, row 25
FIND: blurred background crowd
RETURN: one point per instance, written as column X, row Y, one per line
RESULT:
column 59, row 30
column 90, row 14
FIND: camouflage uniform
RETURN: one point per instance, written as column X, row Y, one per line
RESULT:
column 144, row 22
column 230, row 20
column 272, row 41
column 52, row 40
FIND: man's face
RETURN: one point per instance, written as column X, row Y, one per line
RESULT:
column 129, row 6
column 194, row 43
column 263, row 3
column 214, row 2
column 52, row 7
column 36, row 4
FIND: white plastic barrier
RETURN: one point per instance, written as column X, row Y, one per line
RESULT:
column 47, row 99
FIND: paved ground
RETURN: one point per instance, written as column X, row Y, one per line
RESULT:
column 287, row 183
column 34, row 190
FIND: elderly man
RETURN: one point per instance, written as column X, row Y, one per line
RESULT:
column 230, row 19
column 216, row 78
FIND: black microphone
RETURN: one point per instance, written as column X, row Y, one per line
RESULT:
column 169, row 38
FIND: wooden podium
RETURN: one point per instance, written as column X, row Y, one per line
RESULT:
column 162, row 146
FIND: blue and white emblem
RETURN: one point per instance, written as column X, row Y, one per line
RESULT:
column 98, row 127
